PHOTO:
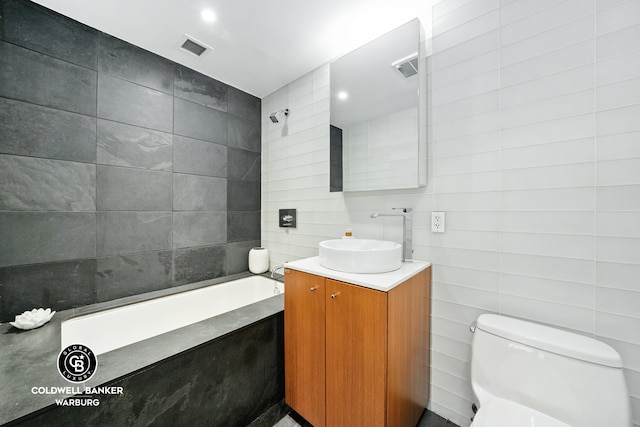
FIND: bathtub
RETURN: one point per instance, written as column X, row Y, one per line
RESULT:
column 114, row 328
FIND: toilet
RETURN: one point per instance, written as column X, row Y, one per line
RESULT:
column 526, row 374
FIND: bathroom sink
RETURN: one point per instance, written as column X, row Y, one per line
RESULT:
column 360, row 255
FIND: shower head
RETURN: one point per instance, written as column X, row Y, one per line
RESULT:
column 274, row 116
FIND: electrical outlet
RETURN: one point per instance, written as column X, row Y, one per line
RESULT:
column 437, row 222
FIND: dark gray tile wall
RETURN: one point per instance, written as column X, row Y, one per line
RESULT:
column 121, row 172
column 33, row 77
column 33, row 27
column 120, row 144
column 31, row 130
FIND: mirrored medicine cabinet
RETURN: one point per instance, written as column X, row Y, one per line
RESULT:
column 377, row 124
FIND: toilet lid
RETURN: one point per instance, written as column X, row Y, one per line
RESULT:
column 505, row 413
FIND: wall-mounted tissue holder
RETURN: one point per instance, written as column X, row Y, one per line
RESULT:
column 287, row 218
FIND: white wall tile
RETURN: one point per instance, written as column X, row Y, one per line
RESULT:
column 555, row 245
column 569, row 270
column 468, row 144
column 456, row 312
column 463, row 183
column 618, row 275
column 619, row 249
column 618, row 94
column 531, row 69
column 543, row 289
column 447, row 345
column 618, row 120
column 619, row 172
column 618, row 327
column 452, row 330
column 557, row 176
column 478, row 84
column 560, row 129
column 573, row 104
column 562, row 222
column 488, row 221
column 622, row 15
column 553, row 199
column 454, row 275
column 560, row 83
column 459, row 34
column 569, row 317
column 484, row 201
column 550, row 18
column 471, row 163
column 466, row 258
column 466, row 107
column 556, row 153
column 519, row 9
column 442, row 7
column 479, row 64
column 617, row 68
column 563, row 36
column 618, row 43
column 453, row 384
column 464, row 239
column 619, row 301
column 463, row 14
column 618, row 198
column 466, row 50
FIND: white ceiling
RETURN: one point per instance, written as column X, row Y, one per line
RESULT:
column 258, row 45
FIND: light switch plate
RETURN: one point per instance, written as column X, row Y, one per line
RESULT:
column 437, row 222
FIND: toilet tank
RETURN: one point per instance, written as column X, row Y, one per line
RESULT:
column 573, row 378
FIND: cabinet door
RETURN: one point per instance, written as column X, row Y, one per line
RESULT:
column 304, row 345
column 408, row 350
column 356, row 355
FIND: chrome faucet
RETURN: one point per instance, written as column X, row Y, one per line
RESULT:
column 276, row 268
column 407, row 232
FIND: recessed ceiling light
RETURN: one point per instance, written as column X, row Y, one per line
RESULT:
column 342, row 95
column 208, row 15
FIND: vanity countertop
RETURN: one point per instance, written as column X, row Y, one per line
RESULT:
column 379, row 281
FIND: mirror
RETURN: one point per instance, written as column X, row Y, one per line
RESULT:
column 374, row 118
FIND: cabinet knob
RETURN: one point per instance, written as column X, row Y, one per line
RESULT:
column 335, row 295
column 313, row 288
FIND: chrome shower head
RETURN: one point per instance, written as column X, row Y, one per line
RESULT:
column 274, row 116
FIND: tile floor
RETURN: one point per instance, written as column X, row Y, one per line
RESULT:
column 429, row 419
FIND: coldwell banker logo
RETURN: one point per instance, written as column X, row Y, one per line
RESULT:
column 77, row 363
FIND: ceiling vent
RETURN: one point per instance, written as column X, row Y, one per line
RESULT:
column 407, row 66
column 193, row 46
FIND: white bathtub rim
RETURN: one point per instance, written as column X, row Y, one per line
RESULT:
column 107, row 330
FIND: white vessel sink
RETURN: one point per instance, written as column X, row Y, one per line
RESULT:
column 360, row 255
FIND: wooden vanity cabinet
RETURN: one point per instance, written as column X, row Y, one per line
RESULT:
column 356, row 356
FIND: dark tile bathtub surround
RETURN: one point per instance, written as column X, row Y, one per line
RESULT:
column 222, row 371
column 51, row 284
column 121, row 172
column 226, row 382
